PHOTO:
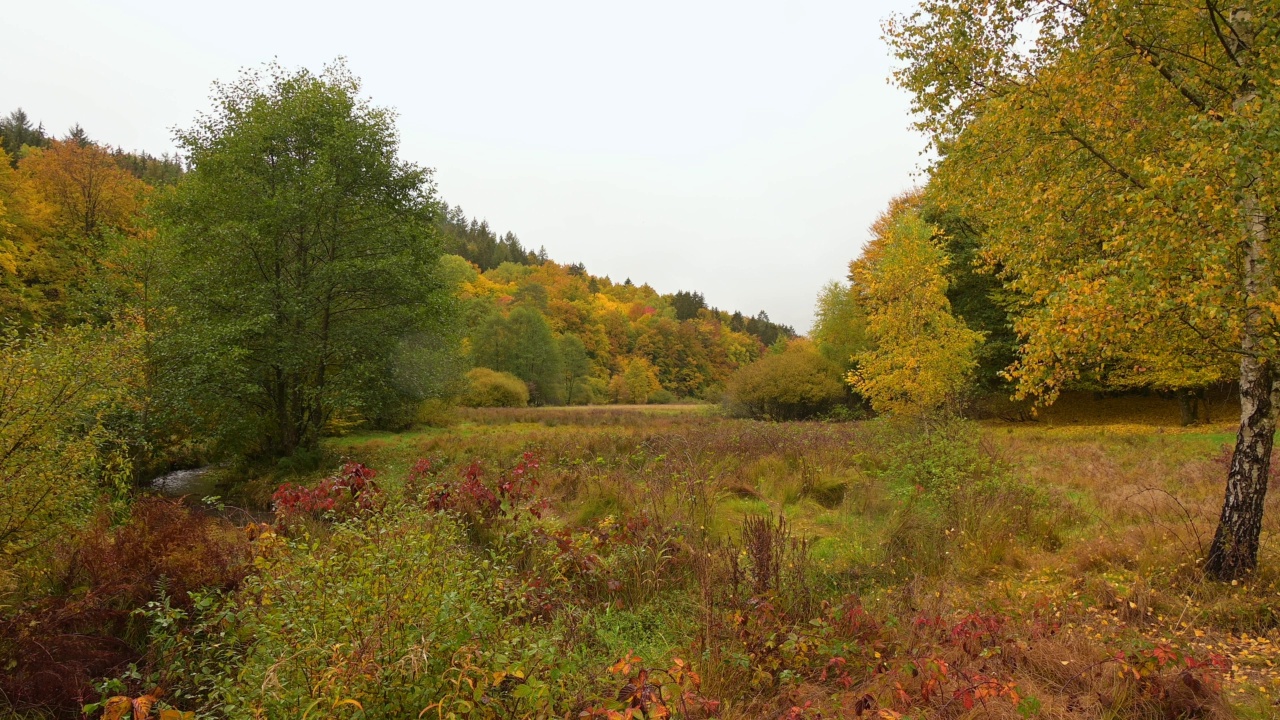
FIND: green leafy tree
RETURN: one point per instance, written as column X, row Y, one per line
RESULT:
column 522, row 344
column 301, row 253
column 840, row 324
column 577, row 368
column 1121, row 158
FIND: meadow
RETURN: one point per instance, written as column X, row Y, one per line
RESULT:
column 667, row 562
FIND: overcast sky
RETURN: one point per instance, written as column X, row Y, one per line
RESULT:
column 736, row 148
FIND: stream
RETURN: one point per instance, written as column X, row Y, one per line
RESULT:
column 193, row 481
column 196, row 484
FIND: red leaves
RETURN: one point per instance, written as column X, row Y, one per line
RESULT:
column 470, row 495
column 347, row 494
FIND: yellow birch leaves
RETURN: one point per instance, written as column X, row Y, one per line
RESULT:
column 922, row 356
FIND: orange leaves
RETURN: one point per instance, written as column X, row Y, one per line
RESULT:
column 646, row 692
column 116, row 708
column 139, row 708
column 89, row 191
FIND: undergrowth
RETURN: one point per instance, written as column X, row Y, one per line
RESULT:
column 675, row 565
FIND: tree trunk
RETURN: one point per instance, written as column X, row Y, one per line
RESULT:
column 1187, row 404
column 1234, row 553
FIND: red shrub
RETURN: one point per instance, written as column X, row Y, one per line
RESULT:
column 510, row 495
column 52, row 648
column 347, row 494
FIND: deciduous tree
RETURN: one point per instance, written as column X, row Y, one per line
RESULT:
column 302, row 251
column 1122, row 159
column 921, row 357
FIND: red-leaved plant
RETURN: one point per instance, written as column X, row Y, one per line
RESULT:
column 350, row 493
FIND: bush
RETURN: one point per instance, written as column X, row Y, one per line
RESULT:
column 394, row 615
column 959, row 502
column 796, row 384
column 662, row 397
column 489, row 388
column 64, row 429
column 54, row 647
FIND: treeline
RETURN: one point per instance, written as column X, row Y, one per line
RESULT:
column 576, row 338
column 17, row 132
column 269, row 311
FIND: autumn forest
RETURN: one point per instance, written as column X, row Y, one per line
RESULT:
column 285, row 434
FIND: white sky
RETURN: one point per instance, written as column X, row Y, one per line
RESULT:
column 736, row 148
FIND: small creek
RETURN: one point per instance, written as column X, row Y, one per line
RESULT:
column 194, row 481
column 196, row 484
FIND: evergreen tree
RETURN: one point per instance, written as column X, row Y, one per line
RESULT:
column 687, row 304
column 16, row 132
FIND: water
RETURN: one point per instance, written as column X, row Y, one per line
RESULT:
column 194, row 481
column 196, row 484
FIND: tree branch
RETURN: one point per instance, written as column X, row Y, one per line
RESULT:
column 1089, row 147
column 1161, row 67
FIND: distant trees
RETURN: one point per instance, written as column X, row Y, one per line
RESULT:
column 66, row 213
column 302, row 249
column 687, row 304
column 478, row 243
column 596, row 329
column 522, row 344
column 576, row 365
column 761, row 326
column 90, row 193
column 17, row 131
column 637, row 382
column 1120, row 160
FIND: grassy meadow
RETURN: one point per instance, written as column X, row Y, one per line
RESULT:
column 669, row 560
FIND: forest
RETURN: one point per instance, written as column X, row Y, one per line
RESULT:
column 285, row 434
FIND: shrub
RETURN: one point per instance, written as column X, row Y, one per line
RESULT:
column 489, row 388
column 59, row 446
column 796, row 384
column 54, row 647
column 387, row 615
column 959, row 501
column 350, row 493
column 662, row 397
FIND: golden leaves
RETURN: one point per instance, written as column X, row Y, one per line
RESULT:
column 922, row 355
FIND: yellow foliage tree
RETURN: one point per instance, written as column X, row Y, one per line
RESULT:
column 1121, row 158
column 88, row 189
column 922, row 356
column 636, row 383
column 24, row 221
column 61, row 398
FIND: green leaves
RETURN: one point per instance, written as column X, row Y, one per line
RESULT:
column 302, row 257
